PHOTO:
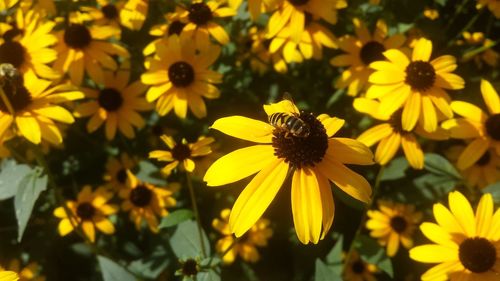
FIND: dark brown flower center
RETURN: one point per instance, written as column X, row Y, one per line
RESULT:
column 141, row 196
column 77, row 36
column 110, row 99
column 10, row 34
column 298, row 2
column 477, row 254
column 372, row 51
column 420, row 75
column 85, row 211
column 180, row 152
column 12, row 52
column 396, row 122
column 358, row 267
column 485, row 159
column 301, row 151
column 181, row 74
column 121, row 176
column 110, row 11
column 18, row 97
column 308, row 18
column 175, row 27
column 399, row 224
column 492, row 125
column 200, row 13
column 190, row 268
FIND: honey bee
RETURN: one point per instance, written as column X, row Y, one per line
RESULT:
column 10, row 75
column 290, row 122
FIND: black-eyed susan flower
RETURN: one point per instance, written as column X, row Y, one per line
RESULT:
column 27, row 44
column 173, row 26
column 84, row 49
column 482, row 129
column 255, row 7
column 181, row 153
column 134, row 13
column 254, row 49
column 485, row 171
column 145, row 202
column 179, row 76
column 90, row 211
column 30, row 272
column 361, row 50
column 314, row 160
column 359, row 270
column 29, row 106
column 106, row 13
column 43, row 7
column 116, row 104
column 189, row 269
column 8, row 275
column 293, row 13
column 415, row 84
column 200, row 16
column 393, row 224
column 7, row 4
column 246, row 246
column 493, row 6
column 466, row 245
column 116, row 170
column 390, row 135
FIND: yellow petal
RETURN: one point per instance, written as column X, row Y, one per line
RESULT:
column 245, row 128
column 422, row 50
column 65, row 227
column 469, row 111
column 375, row 134
column 428, row 117
column 105, row 226
column 285, row 106
column 349, row 151
column 413, row 152
column 446, row 219
column 392, row 244
column 387, row 148
column 484, row 215
column 332, row 125
column 8, row 276
column 327, row 203
column 472, row 153
column 411, row 111
column 490, row 97
column 29, row 128
column 89, row 230
column 434, row 254
column 257, row 196
column 462, row 128
column 438, row 235
column 462, row 210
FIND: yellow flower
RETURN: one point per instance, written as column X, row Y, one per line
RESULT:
column 179, row 76
column 89, row 212
column 31, row 104
column 466, row 245
column 30, row 272
column 174, row 26
column 493, row 6
column 255, row 7
column 181, row 153
column 293, row 13
column 44, row 7
column 116, row 170
column 8, row 275
column 313, row 160
column 245, row 247
column 485, row 171
column 145, row 201
column 393, row 224
column 27, row 42
column 359, row 270
column 487, row 55
column 415, row 85
column 362, row 50
column 81, row 48
column 107, row 13
column 390, row 135
column 483, row 129
column 7, row 4
column 134, row 13
column 116, row 104
column 200, row 16
column 431, row 14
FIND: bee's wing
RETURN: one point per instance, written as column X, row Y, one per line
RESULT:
column 288, row 104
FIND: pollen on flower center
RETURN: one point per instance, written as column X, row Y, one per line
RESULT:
column 398, row 224
column 121, row 176
column 492, row 125
column 141, row 196
column 372, row 51
column 110, row 99
column 485, row 159
column 77, row 36
column 190, row 268
column 17, row 95
column 175, row 27
column 181, row 74
column 110, row 11
column 302, row 151
column 85, row 211
column 12, row 52
column 477, row 254
column 181, row 152
column 420, row 75
column 358, row 267
column 200, row 13
column 298, row 2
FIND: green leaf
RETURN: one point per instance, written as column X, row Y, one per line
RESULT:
column 395, row 170
column 249, row 273
column 210, row 275
column 335, row 254
column 322, row 272
column 11, row 175
column 185, row 241
column 149, row 173
column 373, row 253
column 176, row 217
column 439, row 165
column 441, row 2
column 151, row 267
column 434, row 186
column 30, row 187
column 494, row 189
column 112, row 271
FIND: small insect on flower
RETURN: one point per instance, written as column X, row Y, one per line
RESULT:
column 290, row 123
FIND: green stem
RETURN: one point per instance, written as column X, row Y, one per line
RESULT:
column 457, row 13
column 376, row 187
column 196, row 213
